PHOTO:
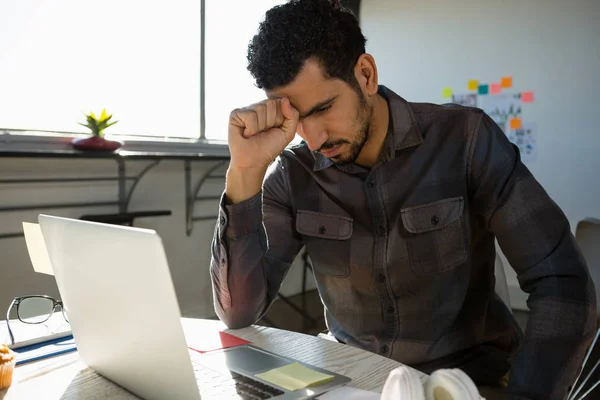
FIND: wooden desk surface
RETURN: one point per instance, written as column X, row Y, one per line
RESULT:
column 67, row 378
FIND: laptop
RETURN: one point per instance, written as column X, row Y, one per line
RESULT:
column 117, row 290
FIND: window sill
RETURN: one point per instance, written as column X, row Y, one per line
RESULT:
column 170, row 147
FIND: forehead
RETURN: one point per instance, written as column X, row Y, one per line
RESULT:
column 308, row 88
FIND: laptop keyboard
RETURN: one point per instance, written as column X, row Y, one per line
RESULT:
column 215, row 385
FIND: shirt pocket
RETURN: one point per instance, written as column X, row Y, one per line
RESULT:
column 436, row 235
column 327, row 240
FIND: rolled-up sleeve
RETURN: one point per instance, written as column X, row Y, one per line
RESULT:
column 253, row 247
column 536, row 238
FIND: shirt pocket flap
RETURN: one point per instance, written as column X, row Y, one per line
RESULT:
column 432, row 216
column 326, row 226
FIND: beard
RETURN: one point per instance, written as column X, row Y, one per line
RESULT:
column 362, row 126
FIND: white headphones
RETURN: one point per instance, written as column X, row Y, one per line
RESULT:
column 404, row 383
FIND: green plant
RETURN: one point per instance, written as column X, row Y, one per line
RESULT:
column 98, row 125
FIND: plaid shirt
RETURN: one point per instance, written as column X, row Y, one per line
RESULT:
column 404, row 252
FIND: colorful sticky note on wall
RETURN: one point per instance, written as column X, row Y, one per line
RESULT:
column 484, row 89
column 495, row 88
column 527, row 97
column 473, row 84
column 516, row 123
column 447, row 93
column 506, row 82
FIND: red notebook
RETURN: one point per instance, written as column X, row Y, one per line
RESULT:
column 213, row 340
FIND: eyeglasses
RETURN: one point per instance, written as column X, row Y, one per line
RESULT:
column 34, row 310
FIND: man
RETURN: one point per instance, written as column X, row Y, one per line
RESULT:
column 398, row 205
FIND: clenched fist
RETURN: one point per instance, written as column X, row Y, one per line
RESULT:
column 258, row 133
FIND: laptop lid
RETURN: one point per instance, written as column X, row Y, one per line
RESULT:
column 118, row 293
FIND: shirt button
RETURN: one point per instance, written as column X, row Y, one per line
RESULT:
column 322, row 230
column 384, row 349
column 380, row 230
column 390, row 309
column 222, row 220
column 371, row 183
column 435, row 220
column 381, row 278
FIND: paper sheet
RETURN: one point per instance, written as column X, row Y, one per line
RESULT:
column 506, row 82
column 348, row 393
column 473, row 84
column 467, row 100
column 294, row 376
column 525, row 139
column 447, row 93
column 527, row 97
column 501, row 108
column 516, row 123
column 36, row 246
column 212, row 340
column 495, row 88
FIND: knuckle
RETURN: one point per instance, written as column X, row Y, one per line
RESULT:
column 234, row 113
column 243, row 117
column 260, row 108
column 241, row 114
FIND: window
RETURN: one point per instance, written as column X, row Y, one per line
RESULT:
column 138, row 59
column 229, row 85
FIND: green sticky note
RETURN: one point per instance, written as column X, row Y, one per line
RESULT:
column 294, row 376
column 447, row 93
column 484, row 89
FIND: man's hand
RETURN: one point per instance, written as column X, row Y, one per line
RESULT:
column 257, row 134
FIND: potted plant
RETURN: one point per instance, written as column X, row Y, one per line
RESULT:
column 97, row 142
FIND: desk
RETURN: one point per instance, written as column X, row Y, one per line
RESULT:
column 67, row 378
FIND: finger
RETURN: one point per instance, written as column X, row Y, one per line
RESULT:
column 279, row 136
column 291, row 116
column 250, row 122
column 260, row 109
column 271, row 112
column 236, row 125
column 279, row 118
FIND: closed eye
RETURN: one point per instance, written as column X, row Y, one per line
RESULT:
column 322, row 109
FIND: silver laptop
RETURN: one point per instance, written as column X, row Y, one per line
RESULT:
column 117, row 290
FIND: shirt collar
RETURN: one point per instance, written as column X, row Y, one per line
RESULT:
column 403, row 127
column 403, row 131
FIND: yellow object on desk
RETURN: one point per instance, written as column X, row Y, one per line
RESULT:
column 294, row 376
column 7, row 366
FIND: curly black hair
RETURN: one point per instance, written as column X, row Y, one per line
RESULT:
column 301, row 29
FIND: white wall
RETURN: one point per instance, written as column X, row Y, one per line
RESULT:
column 161, row 188
column 549, row 46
